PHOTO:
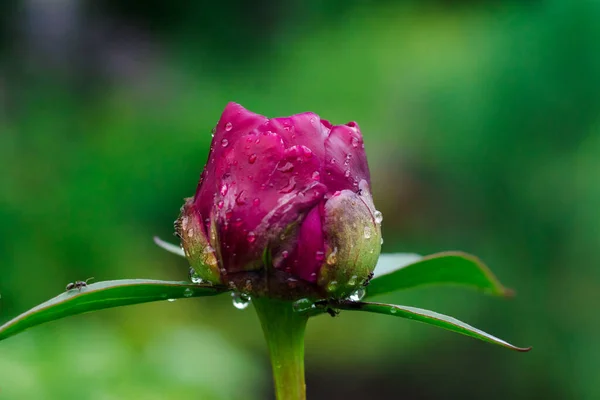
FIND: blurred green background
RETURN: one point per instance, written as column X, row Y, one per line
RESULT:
column 482, row 124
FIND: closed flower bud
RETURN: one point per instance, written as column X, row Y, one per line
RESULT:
column 283, row 208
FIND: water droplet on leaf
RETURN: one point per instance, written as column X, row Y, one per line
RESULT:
column 358, row 294
column 303, row 305
column 240, row 300
column 188, row 292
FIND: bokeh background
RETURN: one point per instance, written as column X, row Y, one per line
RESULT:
column 482, row 123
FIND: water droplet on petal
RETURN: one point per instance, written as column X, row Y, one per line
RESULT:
column 367, row 232
column 319, row 255
column 347, row 173
column 251, row 237
column 224, row 189
column 220, row 204
column 291, row 185
column 240, row 300
column 240, row 200
column 355, row 142
column 228, row 126
column 188, row 292
column 224, row 142
column 287, row 167
column 378, row 216
column 358, row 294
column 285, row 254
column 316, row 176
column 252, row 158
column 256, row 202
column 303, row 305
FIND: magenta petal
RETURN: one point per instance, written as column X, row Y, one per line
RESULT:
column 235, row 122
column 301, row 129
column 309, row 255
column 347, row 161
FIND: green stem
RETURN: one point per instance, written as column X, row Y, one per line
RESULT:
column 284, row 331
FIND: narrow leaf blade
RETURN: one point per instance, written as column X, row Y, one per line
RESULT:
column 429, row 317
column 171, row 248
column 101, row 295
column 453, row 268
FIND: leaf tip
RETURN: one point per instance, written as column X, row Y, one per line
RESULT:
column 523, row 349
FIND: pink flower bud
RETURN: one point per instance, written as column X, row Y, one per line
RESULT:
column 283, row 208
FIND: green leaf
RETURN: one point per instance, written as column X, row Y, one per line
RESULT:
column 391, row 262
column 454, row 268
column 171, row 248
column 103, row 295
column 428, row 317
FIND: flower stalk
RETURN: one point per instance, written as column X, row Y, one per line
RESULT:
column 284, row 332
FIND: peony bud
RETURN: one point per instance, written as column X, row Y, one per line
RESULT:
column 283, row 208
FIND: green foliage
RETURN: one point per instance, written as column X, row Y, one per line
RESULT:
column 448, row 268
column 103, row 295
column 428, row 317
column 482, row 129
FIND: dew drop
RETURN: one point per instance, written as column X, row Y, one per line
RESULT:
column 251, row 237
column 287, row 167
column 252, row 158
column 347, row 173
column 188, row 292
column 220, row 204
column 367, row 232
column 190, row 232
column 353, row 280
column 195, row 278
column 224, row 142
column 393, row 310
column 381, row 241
column 319, row 255
column 332, row 257
column 256, row 202
column 228, row 126
column 240, row 200
column 291, row 185
column 208, row 249
column 240, row 300
column 303, row 305
column 358, row 294
column 224, row 189
column 332, row 286
column 378, row 216
column 354, row 142
column 316, row 176
column 285, row 254
column 171, row 300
